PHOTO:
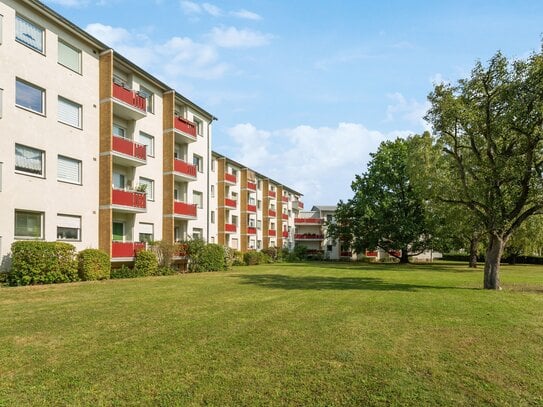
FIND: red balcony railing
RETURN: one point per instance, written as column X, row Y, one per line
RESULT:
column 128, row 147
column 183, row 208
column 310, row 221
column 129, row 198
column 284, row 216
column 185, row 126
column 230, row 178
column 272, row 213
column 126, row 249
column 184, row 168
column 346, row 254
column 251, row 208
column 308, row 236
column 371, row 253
column 284, row 198
column 232, row 203
column 300, row 205
column 129, row 96
column 251, row 231
column 272, row 232
column 230, row 227
column 251, row 185
column 285, row 234
column 271, row 194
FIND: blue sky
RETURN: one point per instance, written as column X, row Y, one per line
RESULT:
column 305, row 90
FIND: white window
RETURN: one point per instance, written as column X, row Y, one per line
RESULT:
column 259, row 224
column 29, row 96
column 119, row 131
column 149, row 142
column 234, row 220
column 28, row 225
column 29, row 34
column 29, row 160
column 199, row 126
column 213, row 165
column 212, row 216
column 69, row 56
column 68, row 227
column 212, row 191
column 197, row 198
column 197, row 233
column 149, row 188
column 198, row 162
column 69, row 112
column 149, row 97
column 69, row 170
column 146, row 232
column 234, row 243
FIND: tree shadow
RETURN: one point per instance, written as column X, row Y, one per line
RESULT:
column 280, row 281
column 448, row 267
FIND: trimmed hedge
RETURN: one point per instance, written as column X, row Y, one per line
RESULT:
column 253, row 258
column 36, row 262
column 94, row 264
column 146, row 264
column 213, row 258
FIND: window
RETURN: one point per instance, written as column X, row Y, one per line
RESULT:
column 68, row 227
column 259, row 204
column 69, row 112
column 258, row 244
column 259, row 224
column 212, row 191
column 29, row 160
column 234, row 243
column 119, row 131
column 149, row 97
column 69, row 56
column 149, row 142
column 259, row 184
column 212, row 239
column 149, row 188
column 199, row 126
column 118, row 231
column 197, row 233
column 146, row 232
column 29, row 34
column 118, row 181
column 198, row 162
column 29, row 97
column 213, row 165
column 197, row 198
column 329, row 218
column 28, row 225
column 329, row 248
column 234, row 220
column 69, row 170
column 212, row 216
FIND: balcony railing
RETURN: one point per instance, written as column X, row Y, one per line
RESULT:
column 251, row 230
column 309, row 221
column 272, row 232
column 271, row 194
column 308, row 236
column 129, row 97
column 129, row 147
column 232, row 203
column 126, row 249
column 284, row 199
column 285, row 234
column 184, row 168
column 272, row 213
column 251, row 208
column 346, row 254
column 297, row 205
column 185, row 126
column 184, row 209
column 230, row 228
column 251, row 185
column 132, row 199
column 371, row 253
column 231, row 178
column 284, row 216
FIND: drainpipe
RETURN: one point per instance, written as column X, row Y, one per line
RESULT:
column 209, row 158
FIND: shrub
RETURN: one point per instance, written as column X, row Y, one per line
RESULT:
column 251, row 258
column 165, row 252
column 165, row 271
column 193, row 250
column 213, row 258
column 35, row 262
column 123, row 272
column 146, row 264
column 233, row 257
column 300, row 251
column 93, row 264
column 271, row 252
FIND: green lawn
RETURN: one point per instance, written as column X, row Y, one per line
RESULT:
column 286, row 334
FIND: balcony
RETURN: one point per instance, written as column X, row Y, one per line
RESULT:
column 272, row 194
column 230, row 178
column 231, row 203
column 251, row 186
column 308, row 221
column 284, row 199
column 251, row 208
column 126, row 250
column 272, row 232
column 284, row 216
column 230, row 228
column 251, row 230
column 128, row 103
column 184, row 171
column 285, row 235
column 371, row 253
column 184, row 210
column 308, row 236
column 297, row 205
column 128, row 201
column 346, row 254
column 184, row 130
column 128, row 153
column 272, row 213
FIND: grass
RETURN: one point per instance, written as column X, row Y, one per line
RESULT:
column 286, row 334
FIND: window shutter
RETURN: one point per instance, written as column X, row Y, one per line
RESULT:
column 68, row 169
column 29, row 34
column 147, row 141
column 69, row 57
column 146, row 228
column 69, row 112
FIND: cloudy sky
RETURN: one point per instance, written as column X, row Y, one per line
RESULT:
column 304, row 90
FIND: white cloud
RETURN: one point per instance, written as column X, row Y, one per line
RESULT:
column 112, row 36
column 410, row 110
column 212, row 10
column 69, row 3
column 319, row 162
column 231, row 37
column 190, row 7
column 246, row 14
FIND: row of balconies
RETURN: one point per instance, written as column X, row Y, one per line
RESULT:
column 308, row 221
column 136, row 202
column 308, row 236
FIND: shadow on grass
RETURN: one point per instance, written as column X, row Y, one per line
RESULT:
column 332, row 283
column 434, row 266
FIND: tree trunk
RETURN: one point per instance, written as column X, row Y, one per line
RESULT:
column 473, row 243
column 494, row 253
column 404, row 259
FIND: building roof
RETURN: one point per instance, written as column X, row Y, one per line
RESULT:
column 324, row 208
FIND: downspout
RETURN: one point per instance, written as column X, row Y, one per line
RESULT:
column 209, row 158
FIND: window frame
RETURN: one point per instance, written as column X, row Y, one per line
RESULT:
column 199, row 126
column 79, row 230
column 200, row 204
column 31, row 85
column 23, row 172
column 148, row 181
column 80, row 170
column 79, row 112
column 152, row 235
column 23, row 42
column 152, row 144
column 79, row 52
column 149, row 99
column 42, row 225
column 199, row 162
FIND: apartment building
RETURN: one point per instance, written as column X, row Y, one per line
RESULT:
column 93, row 150
column 253, row 212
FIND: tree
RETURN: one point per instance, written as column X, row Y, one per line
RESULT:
column 386, row 211
column 527, row 240
column 490, row 129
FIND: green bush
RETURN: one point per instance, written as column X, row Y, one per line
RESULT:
column 146, row 264
column 93, row 264
column 165, row 271
column 35, row 262
column 233, row 257
column 271, row 252
column 253, row 258
column 213, row 258
column 123, row 272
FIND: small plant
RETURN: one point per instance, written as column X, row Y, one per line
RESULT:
column 146, row 264
column 141, row 188
column 93, row 264
column 123, row 272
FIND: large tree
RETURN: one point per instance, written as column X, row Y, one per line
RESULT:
column 490, row 129
column 386, row 211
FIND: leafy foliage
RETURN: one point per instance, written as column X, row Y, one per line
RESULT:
column 146, row 264
column 93, row 264
column 253, row 257
column 212, row 258
column 123, row 272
